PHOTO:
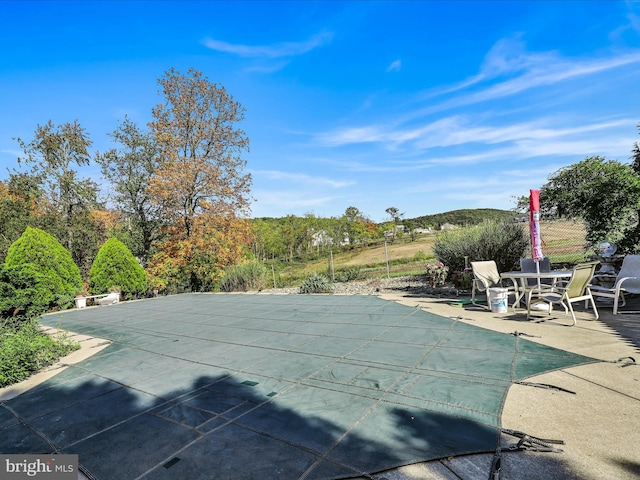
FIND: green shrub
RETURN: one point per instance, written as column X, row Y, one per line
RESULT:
column 420, row 256
column 350, row 274
column 504, row 242
column 115, row 268
column 59, row 275
column 316, row 283
column 21, row 292
column 25, row 350
column 247, row 276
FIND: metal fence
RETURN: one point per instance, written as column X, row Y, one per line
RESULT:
column 563, row 241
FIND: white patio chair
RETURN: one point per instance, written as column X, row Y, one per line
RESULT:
column 486, row 276
column 576, row 290
column 110, row 299
column 627, row 281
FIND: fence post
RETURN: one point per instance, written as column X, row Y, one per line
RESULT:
column 386, row 255
column 273, row 272
column 333, row 273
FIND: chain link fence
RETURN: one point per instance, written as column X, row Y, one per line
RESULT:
column 563, row 241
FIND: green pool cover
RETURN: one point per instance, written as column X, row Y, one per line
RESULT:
column 230, row 386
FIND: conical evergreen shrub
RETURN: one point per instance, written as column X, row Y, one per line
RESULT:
column 115, row 268
column 59, row 277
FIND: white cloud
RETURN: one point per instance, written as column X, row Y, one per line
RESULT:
column 284, row 49
column 526, row 70
column 395, row 66
column 13, row 153
column 458, row 130
column 302, row 178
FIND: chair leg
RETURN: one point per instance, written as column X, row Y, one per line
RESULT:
column 573, row 315
column 595, row 310
column 473, row 295
column 616, row 304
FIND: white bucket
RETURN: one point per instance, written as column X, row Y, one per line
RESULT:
column 498, row 299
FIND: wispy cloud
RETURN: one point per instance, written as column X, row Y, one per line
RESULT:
column 395, row 66
column 278, row 50
column 299, row 178
column 13, row 153
column 540, row 149
column 458, row 130
column 508, row 69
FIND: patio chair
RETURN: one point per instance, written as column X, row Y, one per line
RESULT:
column 486, row 276
column 529, row 265
column 627, row 281
column 575, row 290
column 110, row 299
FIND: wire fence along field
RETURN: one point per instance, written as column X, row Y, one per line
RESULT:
column 563, row 241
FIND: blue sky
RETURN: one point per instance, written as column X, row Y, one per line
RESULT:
column 426, row 106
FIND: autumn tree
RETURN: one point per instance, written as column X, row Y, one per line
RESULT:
column 130, row 169
column 199, row 182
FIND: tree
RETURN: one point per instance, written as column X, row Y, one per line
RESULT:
column 116, row 267
column 37, row 250
column 197, row 263
column 604, row 193
column 635, row 156
column 23, row 292
column 410, row 228
column 51, row 155
column 130, row 170
column 395, row 215
column 20, row 203
column 358, row 226
column 201, row 169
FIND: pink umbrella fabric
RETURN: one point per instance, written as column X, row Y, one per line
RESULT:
column 534, row 225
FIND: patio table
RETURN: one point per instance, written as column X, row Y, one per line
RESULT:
column 522, row 277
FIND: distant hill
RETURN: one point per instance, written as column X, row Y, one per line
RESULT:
column 464, row 218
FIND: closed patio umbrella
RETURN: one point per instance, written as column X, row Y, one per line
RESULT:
column 534, row 227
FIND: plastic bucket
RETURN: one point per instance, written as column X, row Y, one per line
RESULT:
column 497, row 299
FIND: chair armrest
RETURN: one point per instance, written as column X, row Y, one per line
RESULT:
column 619, row 285
column 514, row 283
column 604, row 275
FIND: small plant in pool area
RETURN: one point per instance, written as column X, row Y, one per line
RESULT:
column 25, row 349
column 463, row 279
column 316, row 283
column 436, row 273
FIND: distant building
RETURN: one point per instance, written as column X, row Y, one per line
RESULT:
column 448, row 226
column 323, row 239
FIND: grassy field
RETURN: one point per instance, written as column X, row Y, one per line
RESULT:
column 563, row 242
